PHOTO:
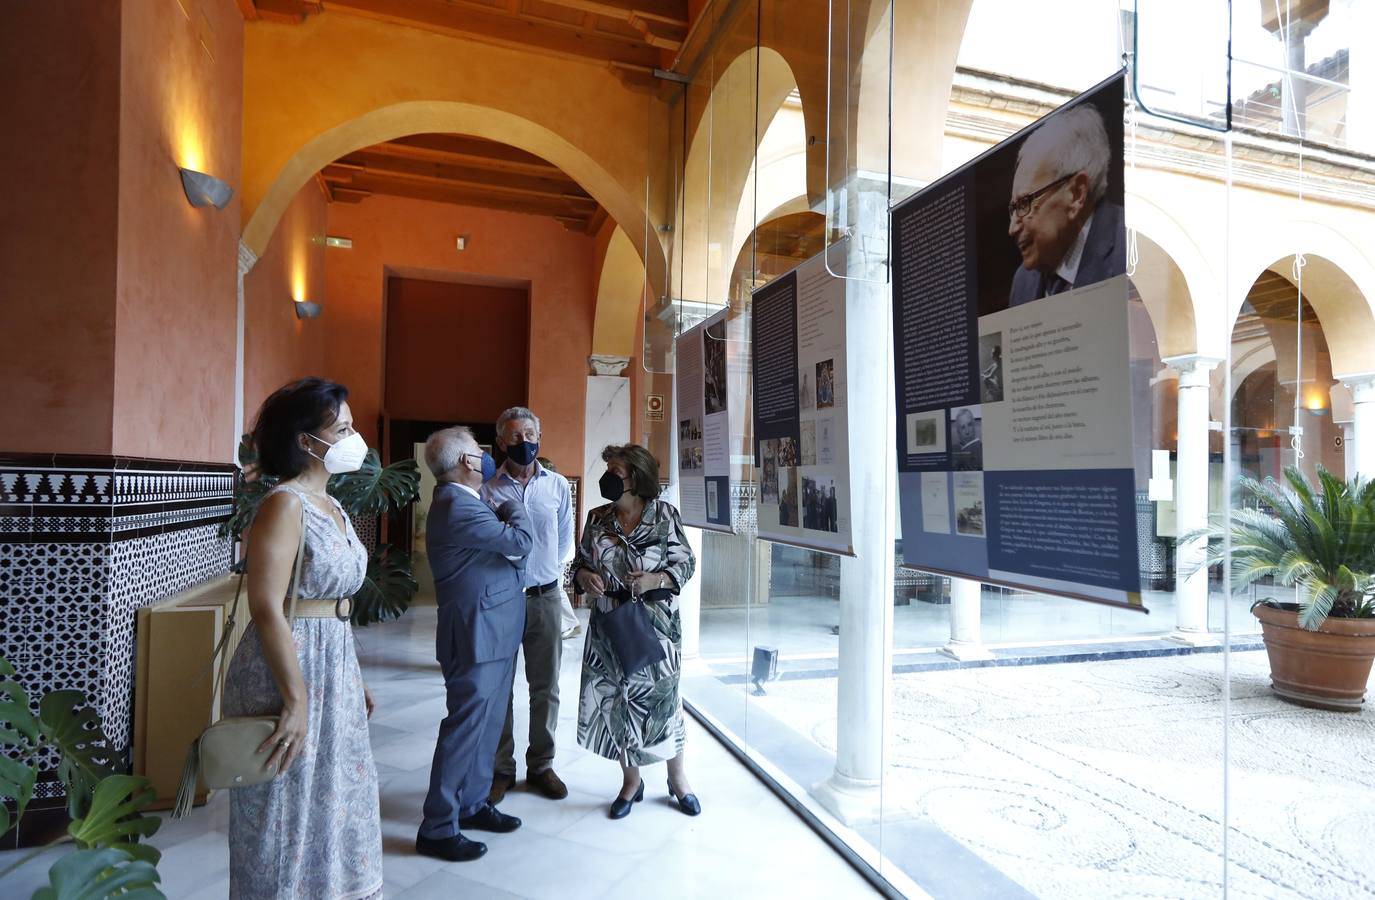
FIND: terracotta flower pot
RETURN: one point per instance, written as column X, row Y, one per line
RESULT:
column 1327, row 668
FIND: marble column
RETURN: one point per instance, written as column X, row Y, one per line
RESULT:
column 247, row 260
column 853, row 791
column 1191, row 499
column 1362, row 455
column 966, row 622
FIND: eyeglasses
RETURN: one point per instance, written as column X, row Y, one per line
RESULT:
column 1019, row 208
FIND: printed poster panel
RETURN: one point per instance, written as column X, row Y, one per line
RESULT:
column 704, row 426
column 1012, row 363
column 801, row 425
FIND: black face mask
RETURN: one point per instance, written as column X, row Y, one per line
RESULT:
column 524, row 453
column 611, row 485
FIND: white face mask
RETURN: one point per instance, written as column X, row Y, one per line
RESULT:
column 343, row 456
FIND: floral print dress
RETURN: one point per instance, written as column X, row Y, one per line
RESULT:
column 314, row 832
column 635, row 720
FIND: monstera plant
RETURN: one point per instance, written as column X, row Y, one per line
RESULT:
column 105, row 806
column 371, row 491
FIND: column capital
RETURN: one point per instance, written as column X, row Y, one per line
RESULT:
column 1361, row 386
column 604, row 364
column 247, row 259
column 1193, row 368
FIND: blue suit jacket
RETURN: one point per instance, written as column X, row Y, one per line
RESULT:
column 481, row 601
column 1104, row 257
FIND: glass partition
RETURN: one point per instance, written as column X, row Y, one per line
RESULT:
column 965, row 740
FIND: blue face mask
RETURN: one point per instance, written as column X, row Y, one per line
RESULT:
column 489, row 466
column 524, row 453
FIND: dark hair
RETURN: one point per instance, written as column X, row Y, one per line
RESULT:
column 306, row 405
column 644, row 468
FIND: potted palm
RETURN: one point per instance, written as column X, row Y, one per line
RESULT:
column 1321, row 542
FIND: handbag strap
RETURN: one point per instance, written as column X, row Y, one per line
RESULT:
column 216, row 663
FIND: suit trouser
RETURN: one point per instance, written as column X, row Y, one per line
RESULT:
column 461, row 775
column 543, row 645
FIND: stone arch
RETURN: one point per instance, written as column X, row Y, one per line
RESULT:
column 620, row 293
column 442, row 116
column 1338, row 281
column 720, row 163
column 1175, row 282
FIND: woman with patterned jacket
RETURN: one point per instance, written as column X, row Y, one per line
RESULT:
column 634, row 545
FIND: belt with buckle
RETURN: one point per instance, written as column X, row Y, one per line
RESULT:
column 540, row 589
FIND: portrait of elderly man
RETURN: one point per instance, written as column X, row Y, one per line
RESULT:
column 1066, row 231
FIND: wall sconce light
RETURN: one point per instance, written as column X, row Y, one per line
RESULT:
column 205, row 190
column 307, row 310
column 461, row 242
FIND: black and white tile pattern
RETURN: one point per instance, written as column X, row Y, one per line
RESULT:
column 84, row 543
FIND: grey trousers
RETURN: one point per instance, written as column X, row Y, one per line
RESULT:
column 543, row 648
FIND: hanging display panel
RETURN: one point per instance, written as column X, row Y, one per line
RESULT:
column 703, row 415
column 801, row 418
column 1012, row 362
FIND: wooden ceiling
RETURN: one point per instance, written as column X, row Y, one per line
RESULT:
column 469, row 171
column 632, row 37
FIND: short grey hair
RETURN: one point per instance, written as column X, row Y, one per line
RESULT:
column 445, row 448
column 1073, row 141
column 516, row 412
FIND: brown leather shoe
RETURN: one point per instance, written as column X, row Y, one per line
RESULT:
column 500, row 785
column 548, row 784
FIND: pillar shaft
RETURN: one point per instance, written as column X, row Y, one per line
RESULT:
column 1362, row 389
column 1191, row 498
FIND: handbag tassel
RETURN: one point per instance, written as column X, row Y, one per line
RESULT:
column 190, row 776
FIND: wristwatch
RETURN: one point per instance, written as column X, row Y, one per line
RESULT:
column 663, row 581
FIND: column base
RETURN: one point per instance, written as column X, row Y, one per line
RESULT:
column 853, row 802
column 1194, row 638
column 967, row 651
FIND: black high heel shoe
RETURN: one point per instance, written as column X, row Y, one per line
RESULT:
column 687, row 803
column 621, row 808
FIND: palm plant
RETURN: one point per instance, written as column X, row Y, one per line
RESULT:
column 105, row 806
column 1319, row 540
column 373, row 490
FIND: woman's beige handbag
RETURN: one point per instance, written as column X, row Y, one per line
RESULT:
column 226, row 754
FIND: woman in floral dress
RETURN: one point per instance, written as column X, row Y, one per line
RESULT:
column 313, row 832
column 634, row 545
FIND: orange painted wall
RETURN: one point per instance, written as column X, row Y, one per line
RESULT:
column 416, row 239
column 181, row 104
column 278, row 347
column 58, row 167
column 455, row 352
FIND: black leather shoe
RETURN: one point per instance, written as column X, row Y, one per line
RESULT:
column 621, row 808
column 489, row 818
column 453, row 849
column 687, row 803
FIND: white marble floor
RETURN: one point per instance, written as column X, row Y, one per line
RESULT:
column 746, row 843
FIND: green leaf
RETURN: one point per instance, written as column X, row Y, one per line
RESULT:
column 248, row 499
column 373, row 489
column 101, row 875
column 16, row 783
column 114, row 819
column 70, row 724
column 387, row 587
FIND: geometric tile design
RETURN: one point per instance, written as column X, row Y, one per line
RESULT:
column 86, row 541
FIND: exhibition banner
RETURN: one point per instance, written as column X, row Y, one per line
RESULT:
column 1013, row 365
column 704, row 425
column 801, row 422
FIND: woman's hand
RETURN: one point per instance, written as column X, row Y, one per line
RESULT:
column 590, row 582
column 370, row 703
column 649, row 581
column 289, row 738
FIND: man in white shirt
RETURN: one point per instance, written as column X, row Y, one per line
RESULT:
column 548, row 503
column 1067, row 234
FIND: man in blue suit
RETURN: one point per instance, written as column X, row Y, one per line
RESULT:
column 1068, row 234
column 477, row 556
